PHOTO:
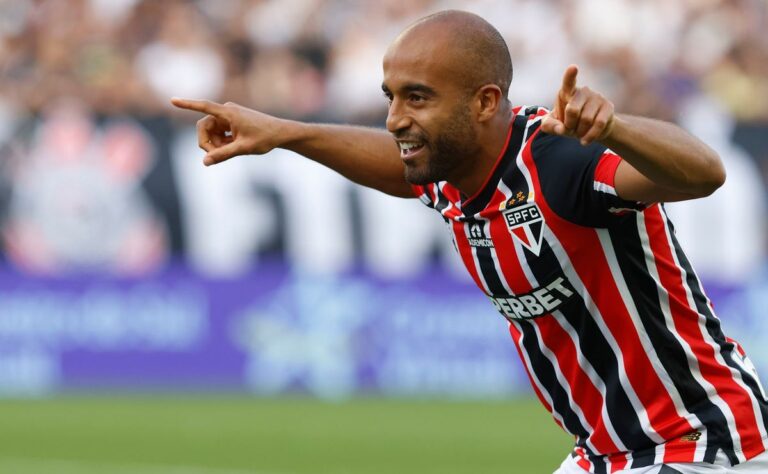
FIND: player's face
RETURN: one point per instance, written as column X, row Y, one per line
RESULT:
column 429, row 116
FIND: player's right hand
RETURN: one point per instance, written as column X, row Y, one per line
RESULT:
column 230, row 130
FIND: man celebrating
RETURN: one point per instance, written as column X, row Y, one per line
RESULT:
column 557, row 217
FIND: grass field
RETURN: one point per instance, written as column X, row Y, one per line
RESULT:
column 238, row 435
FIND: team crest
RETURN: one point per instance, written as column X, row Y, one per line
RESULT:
column 526, row 224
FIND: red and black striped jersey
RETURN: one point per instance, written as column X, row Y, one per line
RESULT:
column 620, row 342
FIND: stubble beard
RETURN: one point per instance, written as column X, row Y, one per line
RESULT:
column 454, row 145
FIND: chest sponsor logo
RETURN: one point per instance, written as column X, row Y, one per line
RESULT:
column 539, row 302
column 477, row 237
column 526, row 224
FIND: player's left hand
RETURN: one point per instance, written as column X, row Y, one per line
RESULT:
column 579, row 112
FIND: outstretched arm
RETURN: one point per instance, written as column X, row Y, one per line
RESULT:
column 367, row 156
column 662, row 162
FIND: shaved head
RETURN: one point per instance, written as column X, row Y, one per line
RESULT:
column 446, row 78
column 478, row 48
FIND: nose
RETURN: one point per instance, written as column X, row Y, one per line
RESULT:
column 397, row 118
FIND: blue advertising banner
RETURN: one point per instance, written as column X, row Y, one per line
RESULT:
column 271, row 332
column 275, row 331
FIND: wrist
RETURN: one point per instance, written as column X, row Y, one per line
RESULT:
column 290, row 133
column 610, row 129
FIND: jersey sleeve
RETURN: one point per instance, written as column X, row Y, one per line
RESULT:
column 578, row 181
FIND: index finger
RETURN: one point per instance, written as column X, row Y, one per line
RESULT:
column 569, row 79
column 204, row 106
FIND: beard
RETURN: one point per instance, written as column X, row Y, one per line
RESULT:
column 449, row 150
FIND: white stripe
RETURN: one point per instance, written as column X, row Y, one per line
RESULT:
column 583, row 363
column 575, row 280
column 475, row 260
column 542, row 390
column 545, row 350
column 619, row 210
column 693, row 363
column 593, row 376
column 625, row 295
column 441, row 186
column 737, row 377
column 495, row 258
column 434, row 192
column 591, row 306
column 604, row 188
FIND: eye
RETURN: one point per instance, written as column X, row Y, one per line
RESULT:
column 417, row 98
column 388, row 96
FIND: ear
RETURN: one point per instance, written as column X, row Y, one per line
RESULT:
column 488, row 100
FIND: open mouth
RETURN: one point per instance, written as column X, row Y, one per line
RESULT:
column 409, row 149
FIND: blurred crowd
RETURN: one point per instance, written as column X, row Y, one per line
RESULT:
column 320, row 60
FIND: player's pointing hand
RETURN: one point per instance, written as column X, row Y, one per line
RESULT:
column 579, row 112
column 230, row 130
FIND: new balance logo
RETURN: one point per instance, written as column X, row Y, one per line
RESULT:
column 693, row 436
column 526, row 224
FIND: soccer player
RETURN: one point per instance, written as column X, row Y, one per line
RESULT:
column 557, row 216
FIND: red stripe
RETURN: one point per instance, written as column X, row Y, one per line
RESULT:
column 737, row 346
column 687, row 324
column 605, row 172
column 431, row 192
column 465, row 252
column 619, row 463
column 584, row 393
column 587, row 395
column 511, row 270
column 517, row 336
column 582, row 461
column 584, row 250
column 453, row 195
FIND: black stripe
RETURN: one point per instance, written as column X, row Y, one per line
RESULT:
column 485, row 259
column 591, row 340
column 424, row 192
column 625, row 238
column 441, row 201
column 515, row 142
column 596, row 350
column 545, row 373
column 598, row 462
column 712, row 325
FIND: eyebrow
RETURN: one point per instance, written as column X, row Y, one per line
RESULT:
column 412, row 87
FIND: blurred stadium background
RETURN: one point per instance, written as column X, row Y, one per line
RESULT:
column 159, row 316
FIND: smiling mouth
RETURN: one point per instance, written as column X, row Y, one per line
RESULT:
column 409, row 149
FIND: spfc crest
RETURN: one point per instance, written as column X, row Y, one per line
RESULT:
column 526, row 224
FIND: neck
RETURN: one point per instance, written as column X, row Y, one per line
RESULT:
column 491, row 139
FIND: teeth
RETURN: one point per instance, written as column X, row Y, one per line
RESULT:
column 408, row 145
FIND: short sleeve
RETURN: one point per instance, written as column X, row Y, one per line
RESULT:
column 578, row 181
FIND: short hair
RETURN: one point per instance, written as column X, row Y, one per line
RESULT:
column 485, row 50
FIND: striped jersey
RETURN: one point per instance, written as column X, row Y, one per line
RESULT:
column 613, row 327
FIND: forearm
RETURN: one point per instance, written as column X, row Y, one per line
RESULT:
column 367, row 156
column 667, row 155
